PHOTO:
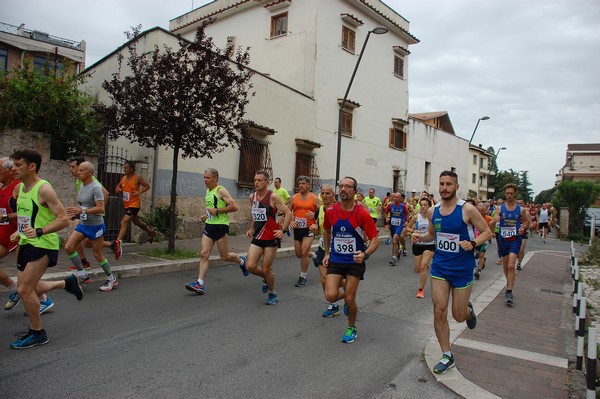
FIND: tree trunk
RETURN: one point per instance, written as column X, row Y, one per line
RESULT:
column 173, row 206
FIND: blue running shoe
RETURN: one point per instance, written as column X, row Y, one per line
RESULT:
column 272, row 299
column 350, row 335
column 243, row 266
column 331, row 311
column 445, row 364
column 30, row 339
column 13, row 300
column 195, row 287
column 46, row 305
column 73, row 286
column 345, row 309
column 472, row 321
column 265, row 287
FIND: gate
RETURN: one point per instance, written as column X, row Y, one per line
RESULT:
column 110, row 171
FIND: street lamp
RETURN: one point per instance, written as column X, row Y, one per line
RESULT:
column 380, row 30
column 498, row 152
column 483, row 118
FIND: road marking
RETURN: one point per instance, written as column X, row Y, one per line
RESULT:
column 513, row 352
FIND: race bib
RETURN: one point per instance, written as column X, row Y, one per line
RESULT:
column 126, row 196
column 396, row 222
column 371, row 210
column 209, row 216
column 83, row 216
column 448, row 242
column 301, row 223
column 321, row 242
column 508, row 232
column 259, row 214
column 2, row 214
column 344, row 245
column 22, row 222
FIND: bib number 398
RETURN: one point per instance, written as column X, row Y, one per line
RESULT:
column 344, row 245
column 448, row 242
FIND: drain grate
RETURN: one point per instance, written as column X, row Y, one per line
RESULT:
column 551, row 291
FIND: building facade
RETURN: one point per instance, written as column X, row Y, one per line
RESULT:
column 480, row 162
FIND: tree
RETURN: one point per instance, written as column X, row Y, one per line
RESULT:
column 524, row 186
column 50, row 102
column 545, row 196
column 191, row 100
column 576, row 196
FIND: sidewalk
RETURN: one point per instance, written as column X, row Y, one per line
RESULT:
column 518, row 351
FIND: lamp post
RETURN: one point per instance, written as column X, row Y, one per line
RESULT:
column 498, row 152
column 380, row 30
column 483, row 118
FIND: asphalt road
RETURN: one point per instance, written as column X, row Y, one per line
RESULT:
column 151, row 338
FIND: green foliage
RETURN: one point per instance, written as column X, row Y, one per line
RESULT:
column 592, row 256
column 521, row 179
column 172, row 255
column 43, row 101
column 577, row 196
column 545, row 196
column 160, row 218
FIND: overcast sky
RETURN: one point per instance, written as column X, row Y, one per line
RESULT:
column 532, row 66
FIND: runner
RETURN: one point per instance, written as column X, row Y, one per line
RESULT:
column 509, row 240
column 40, row 215
column 544, row 221
column 451, row 223
column 397, row 212
column 132, row 186
column 480, row 250
column 280, row 191
column 8, row 225
column 303, row 205
column 91, row 226
column 328, row 199
column 422, row 251
column 374, row 205
column 265, row 232
column 216, row 229
column 345, row 252
column 524, row 238
column 533, row 214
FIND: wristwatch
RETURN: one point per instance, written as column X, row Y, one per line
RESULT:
column 366, row 255
column 39, row 232
column 473, row 244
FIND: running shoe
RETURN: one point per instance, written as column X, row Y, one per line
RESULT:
column 508, row 298
column 86, row 264
column 445, row 364
column 243, row 266
column 302, row 282
column 117, row 250
column 404, row 252
column 152, row 236
column 29, row 340
column 265, row 287
column 195, row 287
column 72, row 286
column 499, row 261
column 519, row 267
column 350, row 335
column 477, row 274
column 471, row 321
column 332, row 310
column 109, row 285
column 13, row 300
column 85, row 279
column 46, row 305
column 420, row 294
column 393, row 261
column 272, row 299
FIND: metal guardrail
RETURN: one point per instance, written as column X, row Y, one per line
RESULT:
column 40, row 36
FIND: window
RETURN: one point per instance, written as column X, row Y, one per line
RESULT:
column 474, row 179
column 307, row 166
column 474, row 159
column 279, row 25
column 44, row 65
column 427, row 177
column 347, row 123
column 254, row 155
column 398, row 66
column 348, row 39
column 398, row 138
column 3, row 59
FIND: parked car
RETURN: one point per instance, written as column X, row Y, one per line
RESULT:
column 587, row 222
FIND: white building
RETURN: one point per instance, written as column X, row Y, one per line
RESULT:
column 304, row 53
column 479, row 170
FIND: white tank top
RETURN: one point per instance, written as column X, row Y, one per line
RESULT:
column 422, row 225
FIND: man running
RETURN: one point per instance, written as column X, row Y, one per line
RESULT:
column 8, row 225
column 509, row 219
column 265, row 232
column 481, row 249
column 345, row 251
column 132, row 186
column 40, row 214
column 303, row 205
column 280, row 191
column 216, row 228
column 544, row 220
column 451, row 223
column 374, row 205
column 328, row 199
column 91, row 226
column 398, row 215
